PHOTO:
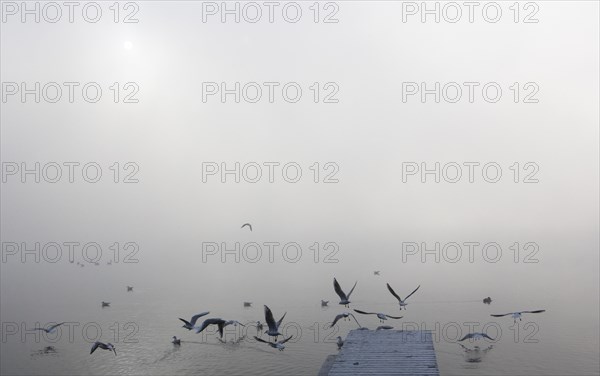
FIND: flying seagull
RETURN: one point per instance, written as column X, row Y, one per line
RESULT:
column 476, row 336
column 384, row 327
column 343, row 316
column 343, row 297
column 476, row 349
column 401, row 302
column 129, row 288
column 273, row 326
column 108, row 346
column 247, row 304
column 324, row 303
column 340, row 342
column 517, row 315
column 487, row 300
column 276, row 345
column 376, row 272
column 105, row 304
column 189, row 325
column 247, row 224
column 220, row 323
column 176, row 341
column 50, row 329
column 381, row 316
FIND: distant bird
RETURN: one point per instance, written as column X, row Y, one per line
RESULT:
column 382, row 316
column 340, row 342
column 273, row 326
column 384, row 327
column 259, row 326
column 105, row 304
column 247, row 304
column 487, row 300
column 129, row 288
column 276, row 345
column 189, row 325
column 247, row 224
column 344, row 299
column 344, row 316
column 50, row 329
column 376, row 272
column 97, row 263
column 71, row 261
column 220, row 323
column 476, row 336
column 176, row 341
column 401, row 302
column 517, row 315
column 109, row 263
column 108, row 346
column 49, row 350
column 324, row 303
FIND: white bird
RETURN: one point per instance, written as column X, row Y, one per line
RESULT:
column 340, row 342
column 476, row 336
column 273, row 326
column 384, row 327
column 108, row 346
column 50, row 329
column 517, row 315
column 276, row 345
column 324, row 303
column 401, row 302
column 344, row 299
column 176, row 341
column 189, row 325
column 247, row 224
column 382, row 316
column 344, row 316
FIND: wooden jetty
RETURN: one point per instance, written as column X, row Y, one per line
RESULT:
column 384, row 352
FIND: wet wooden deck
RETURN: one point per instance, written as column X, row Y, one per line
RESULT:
column 384, row 352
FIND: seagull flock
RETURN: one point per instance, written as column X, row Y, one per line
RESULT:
column 274, row 327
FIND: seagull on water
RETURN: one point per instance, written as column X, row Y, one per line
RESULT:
column 343, row 297
column 50, row 329
column 220, row 323
column 382, row 316
column 344, row 316
column 273, row 326
column 104, row 346
column 384, row 327
column 476, row 336
column 176, row 341
column 247, row 224
column 276, row 345
column 340, row 342
column 401, row 302
column 105, row 304
column 189, row 325
column 517, row 315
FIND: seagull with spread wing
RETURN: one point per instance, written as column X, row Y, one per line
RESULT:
column 273, row 326
column 382, row 316
column 50, row 329
column 344, row 316
column 517, row 315
column 276, row 345
column 401, row 302
column 247, row 224
column 189, row 325
column 104, row 346
column 344, row 299
column 220, row 323
column 476, row 336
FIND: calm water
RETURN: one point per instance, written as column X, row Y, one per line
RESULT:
column 563, row 340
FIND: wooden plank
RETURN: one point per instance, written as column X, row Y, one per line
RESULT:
column 390, row 352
